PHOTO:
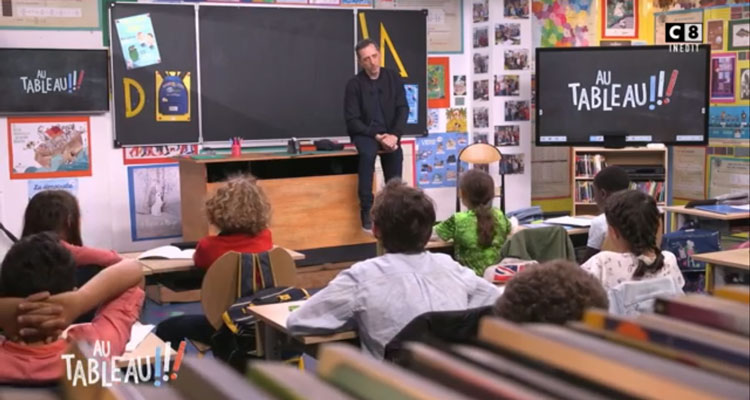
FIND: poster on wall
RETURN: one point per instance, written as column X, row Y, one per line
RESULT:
column 173, row 92
column 738, row 37
column 729, row 122
column 412, row 100
column 69, row 185
column 722, row 77
column 444, row 22
column 715, row 35
column 456, row 120
column 689, row 172
column 620, row 19
column 49, row 147
column 660, row 21
column 437, row 155
column 156, row 154
column 49, row 14
column 727, row 175
column 138, row 41
column 564, row 23
column 745, row 84
column 154, row 194
column 438, row 82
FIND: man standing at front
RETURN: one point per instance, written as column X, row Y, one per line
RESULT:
column 375, row 109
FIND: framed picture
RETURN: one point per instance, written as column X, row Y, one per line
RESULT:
column 738, row 35
column 154, row 201
column 49, row 147
column 620, row 19
column 715, row 35
column 722, row 77
column 438, row 82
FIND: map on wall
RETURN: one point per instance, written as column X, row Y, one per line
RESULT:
column 564, row 23
column 48, row 14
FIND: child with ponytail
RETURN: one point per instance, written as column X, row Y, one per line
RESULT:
column 479, row 233
column 633, row 220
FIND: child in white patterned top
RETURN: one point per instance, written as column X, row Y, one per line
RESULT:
column 633, row 220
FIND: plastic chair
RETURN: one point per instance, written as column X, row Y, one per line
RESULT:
column 636, row 297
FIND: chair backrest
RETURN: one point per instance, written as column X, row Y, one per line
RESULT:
column 636, row 297
column 223, row 282
column 539, row 244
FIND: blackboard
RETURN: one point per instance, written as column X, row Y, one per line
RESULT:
column 406, row 30
column 274, row 73
column 53, row 81
column 136, row 121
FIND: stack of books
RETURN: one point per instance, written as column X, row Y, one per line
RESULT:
column 588, row 165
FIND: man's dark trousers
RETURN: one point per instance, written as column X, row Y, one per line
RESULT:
column 391, row 162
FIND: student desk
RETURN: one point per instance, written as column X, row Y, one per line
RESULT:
column 272, row 319
column 681, row 213
column 738, row 259
column 313, row 195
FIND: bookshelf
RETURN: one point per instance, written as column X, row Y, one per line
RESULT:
column 647, row 169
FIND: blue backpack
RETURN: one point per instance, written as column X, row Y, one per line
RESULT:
column 686, row 242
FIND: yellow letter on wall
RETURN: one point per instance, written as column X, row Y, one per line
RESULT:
column 384, row 39
column 129, row 111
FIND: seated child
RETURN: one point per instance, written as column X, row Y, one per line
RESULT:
column 242, row 214
column 57, row 211
column 633, row 220
column 40, row 263
column 379, row 296
column 553, row 292
column 608, row 181
column 477, row 234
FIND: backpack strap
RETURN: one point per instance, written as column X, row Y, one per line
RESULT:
column 265, row 271
column 246, row 275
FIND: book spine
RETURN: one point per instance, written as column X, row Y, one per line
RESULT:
column 703, row 316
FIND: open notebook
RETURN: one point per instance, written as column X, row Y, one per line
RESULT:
column 168, row 252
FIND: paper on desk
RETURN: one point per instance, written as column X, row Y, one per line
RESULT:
column 570, row 221
column 138, row 332
column 745, row 207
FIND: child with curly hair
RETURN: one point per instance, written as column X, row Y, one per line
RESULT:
column 479, row 233
column 241, row 213
column 633, row 220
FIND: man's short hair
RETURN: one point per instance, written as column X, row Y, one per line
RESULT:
column 554, row 292
column 403, row 217
column 612, row 179
column 37, row 263
column 364, row 43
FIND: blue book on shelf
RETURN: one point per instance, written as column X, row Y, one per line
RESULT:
column 722, row 209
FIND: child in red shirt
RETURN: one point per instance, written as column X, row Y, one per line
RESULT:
column 241, row 212
column 39, row 268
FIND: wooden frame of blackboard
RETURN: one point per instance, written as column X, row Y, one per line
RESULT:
column 104, row 53
column 617, row 140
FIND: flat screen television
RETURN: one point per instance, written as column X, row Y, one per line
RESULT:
column 622, row 96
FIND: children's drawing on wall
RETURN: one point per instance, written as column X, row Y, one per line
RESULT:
column 481, row 63
column 138, row 41
column 156, row 154
column 433, row 119
column 739, row 35
column 456, row 120
column 563, row 23
column 722, row 77
column 412, row 99
column 47, row 147
column 480, row 10
column 512, row 164
column 173, row 92
column 715, row 34
column 507, row 85
column 516, row 8
column 621, row 19
column 516, row 59
column 517, row 110
column 481, row 117
column 438, row 82
column 745, row 84
column 459, row 85
column 481, row 37
column 154, row 202
column 507, row 135
column 508, row 34
column 437, row 155
column 482, row 90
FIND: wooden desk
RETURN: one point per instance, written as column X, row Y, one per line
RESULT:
column 313, row 196
column 153, row 266
column 736, row 259
column 146, row 350
column 273, row 318
column 681, row 214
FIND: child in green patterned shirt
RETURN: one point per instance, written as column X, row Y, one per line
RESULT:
column 477, row 234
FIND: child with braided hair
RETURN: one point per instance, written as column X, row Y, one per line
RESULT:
column 633, row 220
